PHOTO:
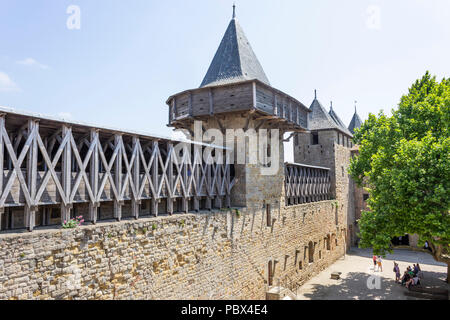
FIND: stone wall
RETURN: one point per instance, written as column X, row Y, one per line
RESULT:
column 209, row 255
column 333, row 152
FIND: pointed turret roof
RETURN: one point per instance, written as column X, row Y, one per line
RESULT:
column 355, row 123
column 235, row 60
column 320, row 119
column 338, row 120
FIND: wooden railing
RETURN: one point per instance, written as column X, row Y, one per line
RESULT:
column 48, row 162
column 305, row 183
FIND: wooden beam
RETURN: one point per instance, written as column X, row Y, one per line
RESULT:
column 66, row 174
column 2, row 155
column 211, row 101
column 118, row 177
column 254, row 94
column 170, row 186
column 94, row 176
column 136, row 201
column 155, row 178
column 30, row 208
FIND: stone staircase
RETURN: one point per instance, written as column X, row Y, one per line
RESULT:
column 280, row 293
column 286, row 289
column 427, row 293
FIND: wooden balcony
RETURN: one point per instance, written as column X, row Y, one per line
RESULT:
column 47, row 162
column 245, row 96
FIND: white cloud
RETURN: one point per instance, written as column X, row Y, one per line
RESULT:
column 6, row 84
column 30, row 62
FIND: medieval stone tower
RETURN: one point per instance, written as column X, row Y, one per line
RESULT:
column 329, row 143
column 236, row 94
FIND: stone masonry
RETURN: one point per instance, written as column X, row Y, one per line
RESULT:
column 210, row 255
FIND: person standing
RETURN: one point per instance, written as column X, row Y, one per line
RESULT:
column 374, row 258
column 397, row 272
column 380, row 266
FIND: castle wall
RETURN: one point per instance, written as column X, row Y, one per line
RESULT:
column 210, row 255
column 332, row 151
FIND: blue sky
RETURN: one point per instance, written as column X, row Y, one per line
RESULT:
column 128, row 57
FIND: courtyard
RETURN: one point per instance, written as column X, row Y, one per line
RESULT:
column 359, row 280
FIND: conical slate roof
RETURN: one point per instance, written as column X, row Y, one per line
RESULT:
column 338, row 121
column 235, row 60
column 320, row 119
column 355, row 123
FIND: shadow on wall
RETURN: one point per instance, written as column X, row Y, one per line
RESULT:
column 354, row 287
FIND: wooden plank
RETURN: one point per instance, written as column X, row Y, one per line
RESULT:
column 254, row 94
column 135, row 202
column 94, row 175
column 66, row 173
column 170, row 185
column 118, row 177
column 211, row 101
column 155, row 178
column 30, row 209
column 2, row 155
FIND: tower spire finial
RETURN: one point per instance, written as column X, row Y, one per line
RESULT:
column 331, row 105
column 355, row 105
column 234, row 10
column 315, row 94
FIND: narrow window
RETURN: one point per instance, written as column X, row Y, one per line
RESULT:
column 315, row 138
column 268, row 215
column 311, row 252
column 270, row 273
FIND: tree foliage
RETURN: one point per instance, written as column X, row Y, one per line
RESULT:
column 404, row 162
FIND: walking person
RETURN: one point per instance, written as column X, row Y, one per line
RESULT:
column 374, row 258
column 379, row 263
column 397, row 272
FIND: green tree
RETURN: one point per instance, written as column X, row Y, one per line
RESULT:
column 404, row 163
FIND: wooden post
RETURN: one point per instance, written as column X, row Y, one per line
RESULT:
column 66, row 174
column 196, row 172
column 2, row 155
column 155, row 179
column 211, row 103
column 254, row 94
column 171, row 187
column 190, row 104
column 30, row 208
column 227, row 183
column 185, row 177
column 135, row 202
column 94, row 173
column 208, row 202
column 118, row 178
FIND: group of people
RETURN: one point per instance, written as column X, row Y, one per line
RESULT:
column 377, row 263
column 411, row 277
